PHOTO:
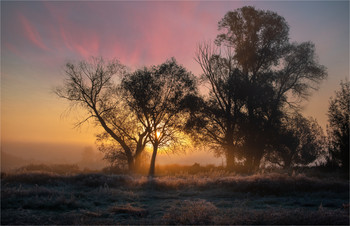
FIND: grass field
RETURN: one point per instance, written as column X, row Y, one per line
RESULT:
column 204, row 198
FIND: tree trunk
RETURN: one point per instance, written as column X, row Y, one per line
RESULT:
column 117, row 138
column 256, row 164
column 137, row 162
column 138, row 157
column 252, row 163
column 254, row 149
column 248, row 164
column 153, row 160
column 131, row 164
column 287, row 161
column 230, row 159
column 141, row 143
column 287, row 165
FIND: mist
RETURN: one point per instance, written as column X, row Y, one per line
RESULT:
column 19, row 154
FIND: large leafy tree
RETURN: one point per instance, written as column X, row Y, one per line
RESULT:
column 157, row 95
column 338, row 130
column 258, row 38
column 300, row 141
column 254, row 76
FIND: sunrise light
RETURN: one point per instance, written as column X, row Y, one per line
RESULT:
column 174, row 112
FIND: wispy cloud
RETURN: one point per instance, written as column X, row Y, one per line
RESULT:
column 32, row 33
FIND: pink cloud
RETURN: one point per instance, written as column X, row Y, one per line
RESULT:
column 155, row 32
column 147, row 35
column 173, row 30
column 75, row 38
column 86, row 46
column 31, row 33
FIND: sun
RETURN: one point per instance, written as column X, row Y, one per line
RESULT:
column 157, row 134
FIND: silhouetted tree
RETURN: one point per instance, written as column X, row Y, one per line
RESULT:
column 338, row 130
column 300, row 141
column 89, row 85
column 156, row 95
column 254, row 76
column 125, row 122
column 258, row 38
column 216, row 120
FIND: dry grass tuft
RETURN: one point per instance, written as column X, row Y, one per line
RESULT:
column 197, row 212
column 130, row 210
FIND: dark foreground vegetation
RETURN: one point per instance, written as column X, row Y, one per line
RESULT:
column 192, row 197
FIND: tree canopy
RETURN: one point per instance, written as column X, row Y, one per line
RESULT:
column 255, row 77
column 339, row 120
column 157, row 95
column 299, row 141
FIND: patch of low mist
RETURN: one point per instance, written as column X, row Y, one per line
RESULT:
column 91, row 159
column 19, row 154
column 204, row 157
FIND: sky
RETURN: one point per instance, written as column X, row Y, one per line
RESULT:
column 39, row 37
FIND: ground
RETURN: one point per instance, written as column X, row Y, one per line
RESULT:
column 210, row 198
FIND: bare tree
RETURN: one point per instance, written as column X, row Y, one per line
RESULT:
column 217, row 118
column 89, row 85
